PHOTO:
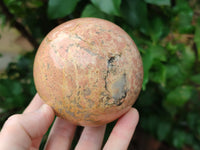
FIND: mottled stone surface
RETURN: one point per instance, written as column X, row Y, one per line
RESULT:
column 89, row 70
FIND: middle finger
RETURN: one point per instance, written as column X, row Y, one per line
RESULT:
column 61, row 135
column 91, row 138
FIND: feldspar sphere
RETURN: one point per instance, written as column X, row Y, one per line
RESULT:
column 89, row 71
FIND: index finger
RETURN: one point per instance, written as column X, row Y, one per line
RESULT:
column 35, row 104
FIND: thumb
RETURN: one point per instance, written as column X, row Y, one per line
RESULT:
column 19, row 130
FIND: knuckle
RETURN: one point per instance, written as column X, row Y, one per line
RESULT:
column 14, row 119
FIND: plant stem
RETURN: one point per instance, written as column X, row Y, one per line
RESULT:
column 16, row 24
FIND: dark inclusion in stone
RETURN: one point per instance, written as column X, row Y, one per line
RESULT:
column 119, row 85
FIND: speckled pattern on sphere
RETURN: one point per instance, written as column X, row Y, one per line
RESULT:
column 89, row 71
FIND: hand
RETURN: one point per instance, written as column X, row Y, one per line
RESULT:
column 25, row 131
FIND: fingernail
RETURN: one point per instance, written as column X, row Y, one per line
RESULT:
column 44, row 108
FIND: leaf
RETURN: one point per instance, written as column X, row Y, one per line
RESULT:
column 16, row 88
column 158, row 74
column 183, row 19
column 187, row 58
column 32, row 89
column 158, row 29
column 150, row 123
column 91, row 11
column 171, row 109
column 4, row 91
column 36, row 3
column 147, row 98
column 191, row 119
column 147, row 63
column 179, row 96
column 179, row 138
column 196, row 78
column 60, row 8
column 163, row 130
column 3, row 21
column 154, row 53
column 174, row 74
column 158, row 52
column 197, row 37
column 111, row 7
column 180, row 65
column 135, row 13
column 159, row 2
column 20, row 100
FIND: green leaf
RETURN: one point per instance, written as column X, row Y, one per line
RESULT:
column 183, row 20
column 158, row 74
column 192, row 119
column 91, row 11
column 135, row 13
column 158, row 29
column 111, row 7
column 197, row 37
column 147, row 98
column 180, row 65
column 171, row 109
column 179, row 96
column 196, row 78
column 163, row 130
column 36, row 3
column 20, row 100
column 179, row 138
column 154, row 53
column 187, row 58
column 172, row 48
column 175, row 75
column 16, row 88
column 3, row 21
column 4, row 91
column 159, row 2
column 147, row 63
column 158, row 52
column 60, row 8
column 9, row 103
column 198, row 127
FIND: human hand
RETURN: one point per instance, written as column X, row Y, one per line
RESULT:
column 25, row 131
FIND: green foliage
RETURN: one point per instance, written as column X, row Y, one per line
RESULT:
column 179, row 96
column 197, row 37
column 91, row 11
column 184, row 14
column 159, row 2
column 135, row 13
column 111, row 7
column 168, row 37
column 16, row 86
column 60, row 8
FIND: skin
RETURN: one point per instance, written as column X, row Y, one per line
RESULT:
column 25, row 131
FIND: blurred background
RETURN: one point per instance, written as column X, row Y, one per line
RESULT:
column 167, row 33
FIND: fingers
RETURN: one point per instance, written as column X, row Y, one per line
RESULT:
column 20, row 130
column 123, row 131
column 61, row 135
column 35, row 104
column 91, row 138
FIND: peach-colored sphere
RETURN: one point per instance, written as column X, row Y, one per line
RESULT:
column 89, row 71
